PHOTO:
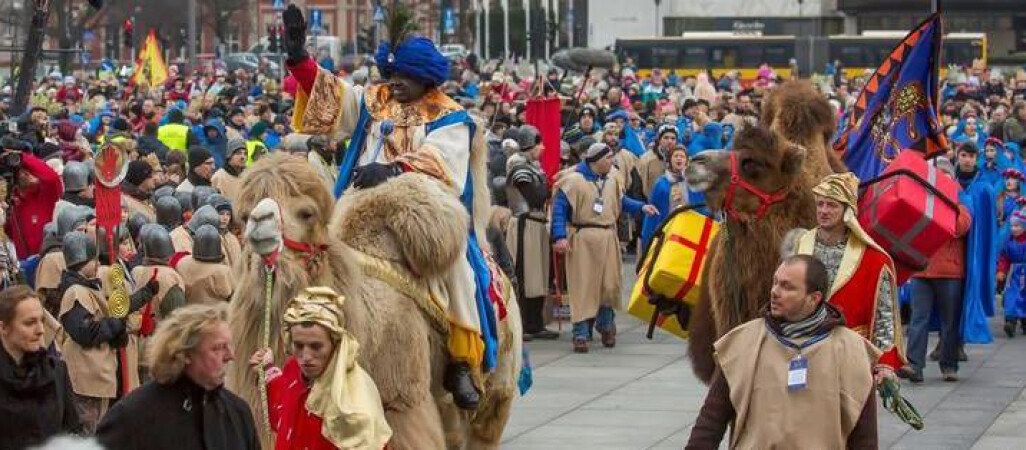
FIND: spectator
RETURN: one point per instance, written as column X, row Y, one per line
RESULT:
column 36, row 190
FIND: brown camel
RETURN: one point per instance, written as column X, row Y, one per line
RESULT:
column 408, row 223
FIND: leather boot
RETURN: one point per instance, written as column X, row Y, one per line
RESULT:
column 536, row 323
column 459, row 383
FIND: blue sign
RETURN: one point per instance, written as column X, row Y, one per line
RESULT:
column 107, row 65
column 85, row 57
column 316, row 19
column 278, row 5
column 379, row 14
column 449, row 21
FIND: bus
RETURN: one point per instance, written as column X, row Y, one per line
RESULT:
column 721, row 52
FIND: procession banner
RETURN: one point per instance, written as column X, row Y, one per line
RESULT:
column 544, row 114
column 150, row 68
column 897, row 108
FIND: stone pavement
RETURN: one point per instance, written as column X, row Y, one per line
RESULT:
column 642, row 395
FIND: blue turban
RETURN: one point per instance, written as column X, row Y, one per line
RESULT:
column 416, row 58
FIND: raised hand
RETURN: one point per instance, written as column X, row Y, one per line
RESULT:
column 294, row 40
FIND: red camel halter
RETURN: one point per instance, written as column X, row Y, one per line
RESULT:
column 765, row 199
column 310, row 252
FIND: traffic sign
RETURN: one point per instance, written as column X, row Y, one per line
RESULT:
column 278, row 5
column 379, row 14
column 316, row 19
column 449, row 20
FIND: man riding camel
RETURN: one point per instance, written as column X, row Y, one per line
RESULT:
column 408, row 125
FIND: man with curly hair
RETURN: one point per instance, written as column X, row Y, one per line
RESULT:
column 186, row 405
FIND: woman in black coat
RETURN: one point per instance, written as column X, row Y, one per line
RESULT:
column 35, row 392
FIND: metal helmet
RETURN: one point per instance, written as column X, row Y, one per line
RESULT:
column 101, row 242
column 206, row 215
column 156, row 243
column 206, row 245
column 163, row 191
column 72, row 217
column 135, row 224
column 76, row 176
column 200, row 194
column 78, row 248
column 528, row 137
column 184, row 200
column 169, row 212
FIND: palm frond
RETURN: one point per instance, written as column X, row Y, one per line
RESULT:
column 401, row 23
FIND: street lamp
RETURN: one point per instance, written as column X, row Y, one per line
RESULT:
column 657, row 3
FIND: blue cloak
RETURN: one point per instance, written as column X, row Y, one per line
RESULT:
column 980, row 263
column 660, row 198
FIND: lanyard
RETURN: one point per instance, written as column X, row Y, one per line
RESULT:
column 799, row 347
column 600, row 188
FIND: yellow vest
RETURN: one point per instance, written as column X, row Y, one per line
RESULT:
column 175, row 136
column 254, row 149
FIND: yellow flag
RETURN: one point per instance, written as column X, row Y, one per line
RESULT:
column 150, row 68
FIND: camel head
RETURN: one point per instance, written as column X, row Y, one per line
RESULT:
column 800, row 113
column 747, row 181
column 282, row 198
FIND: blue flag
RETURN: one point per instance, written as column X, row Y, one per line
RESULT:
column 897, row 109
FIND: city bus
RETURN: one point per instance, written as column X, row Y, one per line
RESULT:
column 721, row 52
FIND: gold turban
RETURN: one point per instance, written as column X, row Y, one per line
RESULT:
column 844, row 188
column 344, row 396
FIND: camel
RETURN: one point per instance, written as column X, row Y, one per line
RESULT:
column 366, row 248
column 780, row 160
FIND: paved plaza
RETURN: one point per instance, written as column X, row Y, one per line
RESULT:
column 642, row 395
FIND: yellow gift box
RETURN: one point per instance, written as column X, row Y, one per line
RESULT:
column 673, row 266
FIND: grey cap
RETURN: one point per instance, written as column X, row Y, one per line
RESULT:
column 76, row 176
column 73, row 217
column 156, row 243
column 184, row 200
column 528, row 137
column 163, row 191
column 200, row 194
column 234, row 145
column 169, row 212
column 135, row 224
column 206, row 215
column 206, row 245
column 78, row 249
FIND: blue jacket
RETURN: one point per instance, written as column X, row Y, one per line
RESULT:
column 660, row 198
column 562, row 211
column 711, row 138
column 217, row 145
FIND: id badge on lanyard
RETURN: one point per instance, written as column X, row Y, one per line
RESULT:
column 599, row 206
column 798, row 373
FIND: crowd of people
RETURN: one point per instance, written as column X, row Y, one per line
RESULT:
column 69, row 363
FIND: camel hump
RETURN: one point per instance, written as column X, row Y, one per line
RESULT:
column 411, row 218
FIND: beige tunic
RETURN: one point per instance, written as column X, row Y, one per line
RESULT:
column 137, row 206
column 167, row 278
column 232, row 250
column 205, row 282
column 133, row 323
column 537, row 252
column 625, row 163
column 229, row 185
column 593, row 271
column 650, row 168
column 48, row 271
column 181, row 240
column 93, row 371
column 768, row 415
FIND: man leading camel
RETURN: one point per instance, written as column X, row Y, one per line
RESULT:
column 409, row 125
column 856, row 266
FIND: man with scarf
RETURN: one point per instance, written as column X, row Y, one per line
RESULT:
column 138, row 188
column 527, row 237
column 856, row 265
column 201, row 169
column 409, row 125
column 228, row 179
column 321, row 399
column 798, row 358
column 589, row 201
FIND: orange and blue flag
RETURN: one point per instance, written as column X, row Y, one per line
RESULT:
column 897, row 109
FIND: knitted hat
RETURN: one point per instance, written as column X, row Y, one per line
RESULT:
column 235, row 145
column 138, row 172
column 198, row 156
column 666, row 128
column 596, row 152
column 258, row 130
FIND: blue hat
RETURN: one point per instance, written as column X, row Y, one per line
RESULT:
column 416, row 57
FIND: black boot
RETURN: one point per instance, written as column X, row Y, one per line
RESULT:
column 1010, row 328
column 459, row 383
column 534, row 320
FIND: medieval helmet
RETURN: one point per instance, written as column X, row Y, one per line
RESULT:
column 78, row 248
column 163, row 191
column 101, row 238
column 206, row 215
column 76, row 176
column 528, row 137
column 73, row 217
column 156, row 242
column 169, row 212
column 200, row 194
column 206, row 245
column 184, row 200
column 135, row 224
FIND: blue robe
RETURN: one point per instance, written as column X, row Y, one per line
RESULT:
column 474, row 255
column 660, row 198
column 1014, row 298
column 633, row 140
column 980, row 262
column 710, row 138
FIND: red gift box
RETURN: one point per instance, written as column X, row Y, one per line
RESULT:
column 910, row 210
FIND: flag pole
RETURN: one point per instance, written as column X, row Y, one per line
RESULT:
column 935, row 6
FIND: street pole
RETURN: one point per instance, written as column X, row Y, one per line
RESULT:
column 505, row 28
column 570, row 21
column 487, row 29
column 530, row 35
column 546, row 7
column 33, row 47
column 192, row 37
